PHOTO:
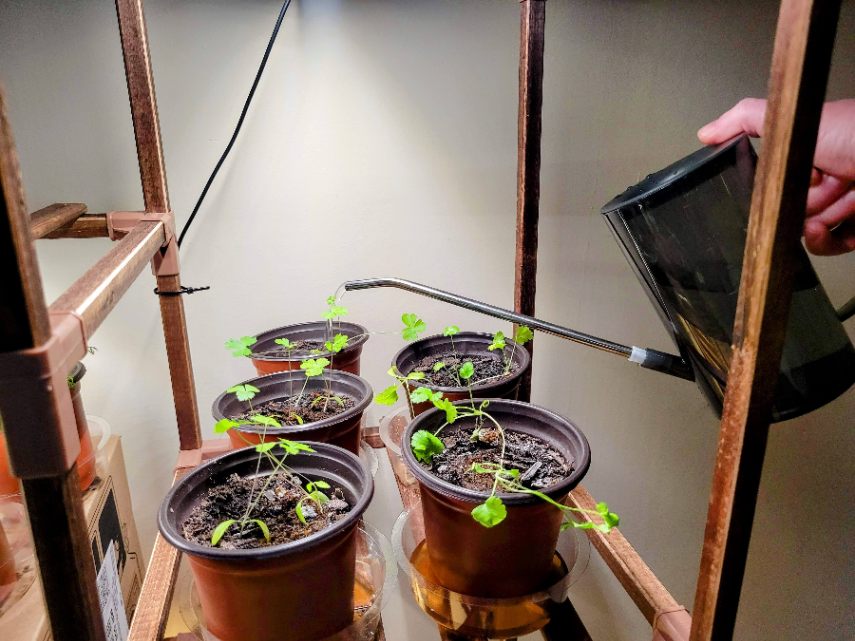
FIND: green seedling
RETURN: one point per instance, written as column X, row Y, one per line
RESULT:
column 312, row 491
column 241, row 346
column 389, row 396
column 334, row 310
column 413, row 326
column 438, row 366
column 244, row 392
column 492, row 512
column 498, row 342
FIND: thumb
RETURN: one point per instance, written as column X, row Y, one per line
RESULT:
column 745, row 117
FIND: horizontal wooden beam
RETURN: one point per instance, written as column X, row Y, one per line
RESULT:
column 92, row 296
column 86, row 226
column 634, row 575
column 52, row 217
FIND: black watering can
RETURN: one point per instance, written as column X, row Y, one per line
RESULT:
column 683, row 231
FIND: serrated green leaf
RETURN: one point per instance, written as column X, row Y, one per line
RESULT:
column 388, row 396
column 244, row 392
column 220, row 531
column 224, row 425
column 491, row 512
column 451, row 330
column 334, row 310
column 611, row 519
column 523, row 335
column 284, row 342
column 261, row 448
column 240, row 346
column 416, row 376
column 438, row 366
column 413, row 326
column 314, row 366
column 498, row 342
column 425, row 446
column 421, row 394
column 448, row 407
column 293, row 447
column 264, row 529
column 466, row 371
column 338, row 343
column 261, row 419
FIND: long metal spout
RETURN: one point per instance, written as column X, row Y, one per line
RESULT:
column 648, row 358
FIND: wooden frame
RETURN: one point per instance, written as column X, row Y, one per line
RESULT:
column 32, row 337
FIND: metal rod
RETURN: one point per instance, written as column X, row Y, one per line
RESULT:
column 648, row 358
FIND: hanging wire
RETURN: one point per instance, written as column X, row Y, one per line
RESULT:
column 243, row 113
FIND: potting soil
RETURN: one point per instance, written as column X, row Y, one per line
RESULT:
column 310, row 407
column 540, row 465
column 489, row 368
column 276, row 507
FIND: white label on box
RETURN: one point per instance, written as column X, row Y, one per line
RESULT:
column 110, row 596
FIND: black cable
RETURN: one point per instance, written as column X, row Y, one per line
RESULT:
column 243, row 112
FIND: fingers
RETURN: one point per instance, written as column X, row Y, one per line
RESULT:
column 824, row 193
column 832, row 231
column 745, row 117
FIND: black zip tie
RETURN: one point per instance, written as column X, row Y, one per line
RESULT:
column 183, row 290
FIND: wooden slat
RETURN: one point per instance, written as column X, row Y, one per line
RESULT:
column 800, row 63
column 93, row 295
column 23, row 317
column 532, row 27
column 138, row 74
column 180, row 364
column 155, row 597
column 52, row 217
column 646, row 591
column 87, row 226
column 141, row 92
column 54, row 503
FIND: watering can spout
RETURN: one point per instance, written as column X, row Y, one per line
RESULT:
column 647, row 358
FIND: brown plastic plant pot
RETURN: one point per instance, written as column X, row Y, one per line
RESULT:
column 9, row 483
column 465, row 344
column 344, row 430
column 514, row 557
column 296, row 591
column 347, row 360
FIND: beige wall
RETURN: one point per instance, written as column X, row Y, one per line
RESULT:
column 383, row 142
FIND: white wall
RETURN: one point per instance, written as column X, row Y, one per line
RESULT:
column 383, row 142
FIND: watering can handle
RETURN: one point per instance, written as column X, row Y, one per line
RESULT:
column 647, row 358
column 846, row 310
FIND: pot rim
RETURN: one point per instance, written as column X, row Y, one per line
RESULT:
column 358, row 408
column 450, row 489
column 300, row 546
column 484, row 389
column 360, row 332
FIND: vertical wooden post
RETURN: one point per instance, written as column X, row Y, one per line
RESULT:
column 800, row 63
column 156, row 196
column 54, row 503
column 532, row 25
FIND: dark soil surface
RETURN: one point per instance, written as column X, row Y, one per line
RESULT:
column 275, row 508
column 487, row 366
column 300, row 349
column 312, row 407
column 540, row 464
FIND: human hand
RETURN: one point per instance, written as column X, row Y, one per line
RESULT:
column 830, row 215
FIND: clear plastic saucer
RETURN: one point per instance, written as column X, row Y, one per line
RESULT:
column 13, row 520
column 499, row 618
column 376, row 578
column 368, row 457
column 392, row 428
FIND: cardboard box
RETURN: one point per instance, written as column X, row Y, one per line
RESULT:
column 107, row 505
